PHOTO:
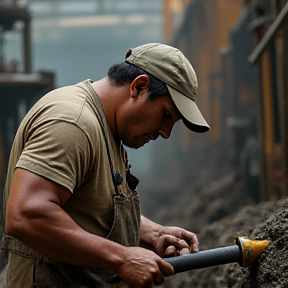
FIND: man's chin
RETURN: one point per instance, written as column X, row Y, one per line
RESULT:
column 134, row 145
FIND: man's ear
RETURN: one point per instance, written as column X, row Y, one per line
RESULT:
column 139, row 84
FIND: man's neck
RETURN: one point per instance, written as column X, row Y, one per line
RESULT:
column 111, row 97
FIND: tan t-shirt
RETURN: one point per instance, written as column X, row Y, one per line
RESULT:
column 60, row 138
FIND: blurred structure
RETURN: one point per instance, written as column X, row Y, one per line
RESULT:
column 270, row 29
column 19, row 85
column 244, row 101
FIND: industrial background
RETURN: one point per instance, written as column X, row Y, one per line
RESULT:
column 239, row 51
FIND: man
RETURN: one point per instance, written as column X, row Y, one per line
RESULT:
column 71, row 207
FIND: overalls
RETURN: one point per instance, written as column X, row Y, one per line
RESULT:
column 40, row 271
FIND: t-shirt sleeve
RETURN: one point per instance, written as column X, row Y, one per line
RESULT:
column 58, row 150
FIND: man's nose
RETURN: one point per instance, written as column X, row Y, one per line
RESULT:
column 166, row 132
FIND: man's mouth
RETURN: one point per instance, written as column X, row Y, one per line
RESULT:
column 153, row 137
column 149, row 137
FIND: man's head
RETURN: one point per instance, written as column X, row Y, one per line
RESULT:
column 147, row 111
column 146, row 75
column 169, row 65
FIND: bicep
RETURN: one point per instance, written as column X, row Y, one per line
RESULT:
column 31, row 194
column 28, row 184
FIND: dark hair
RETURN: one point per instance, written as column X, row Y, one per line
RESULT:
column 124, row 73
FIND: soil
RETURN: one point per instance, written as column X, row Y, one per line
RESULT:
column 267, row 220
column 272, row 268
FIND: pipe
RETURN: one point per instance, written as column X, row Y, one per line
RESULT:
column 202, row 259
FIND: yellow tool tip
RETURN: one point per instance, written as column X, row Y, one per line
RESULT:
column 251, row 249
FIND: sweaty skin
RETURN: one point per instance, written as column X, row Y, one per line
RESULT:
column 34, row 210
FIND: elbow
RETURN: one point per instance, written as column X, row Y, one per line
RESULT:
column 17, row 222
column 14, row 225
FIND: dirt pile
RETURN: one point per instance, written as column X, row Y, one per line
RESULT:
column 267, row 220
column 272, row 268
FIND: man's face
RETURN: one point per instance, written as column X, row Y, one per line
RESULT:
column 144, row 120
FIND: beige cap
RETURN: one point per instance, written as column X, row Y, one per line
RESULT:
column 169, row 65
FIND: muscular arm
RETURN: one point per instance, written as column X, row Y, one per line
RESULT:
column 35, row 217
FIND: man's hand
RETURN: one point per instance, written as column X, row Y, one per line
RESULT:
column 167, row 241
column 143, row 268
column 174, row 241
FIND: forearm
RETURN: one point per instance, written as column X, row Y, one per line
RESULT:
column 52, row 232
column 148, row 229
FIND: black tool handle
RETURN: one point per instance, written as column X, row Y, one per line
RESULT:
column 207, row 258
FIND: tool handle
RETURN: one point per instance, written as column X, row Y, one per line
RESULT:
column 202, row 259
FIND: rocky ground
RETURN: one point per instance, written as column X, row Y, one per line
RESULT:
column 268, row 220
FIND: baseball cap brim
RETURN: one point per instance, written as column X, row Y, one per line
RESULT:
column 192, row 116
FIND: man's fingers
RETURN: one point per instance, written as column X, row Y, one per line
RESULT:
column 159, row 279
column 195, row 248
column 180, row 247
column 182, row 244
column 184, row 251
column 183, row 247
column 165, row 241
column 170, row 251
column 192, row 241
column 166, row 268
column 185, row 242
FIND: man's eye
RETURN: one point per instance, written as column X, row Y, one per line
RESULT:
column 167, row 114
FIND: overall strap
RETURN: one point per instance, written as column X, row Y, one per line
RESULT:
column 99, row 112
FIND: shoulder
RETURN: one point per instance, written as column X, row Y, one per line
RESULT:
column 68, row 104
column 63, row 103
